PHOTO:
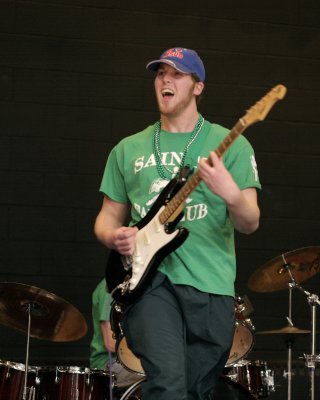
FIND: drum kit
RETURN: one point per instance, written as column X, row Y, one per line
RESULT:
column 287, row 271
column 41, row 314
column 244, row 379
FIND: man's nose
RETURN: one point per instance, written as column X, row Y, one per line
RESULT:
column 166, row 77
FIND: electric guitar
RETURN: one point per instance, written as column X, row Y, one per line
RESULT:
column 128, row 276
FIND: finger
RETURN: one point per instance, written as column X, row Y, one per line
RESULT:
column 205, row 164
column 213, row 157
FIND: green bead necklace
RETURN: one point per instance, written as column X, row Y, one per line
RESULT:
column 161, row 168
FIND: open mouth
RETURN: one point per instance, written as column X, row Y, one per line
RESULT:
column 167, row 93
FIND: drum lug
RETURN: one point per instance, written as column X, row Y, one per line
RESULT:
column 57, row 378
column 87, row 372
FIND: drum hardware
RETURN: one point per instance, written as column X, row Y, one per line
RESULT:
column 52, row 318
column 57, row 378
column 31, row 394
column 287, row 271
column 28, row 308
column 310, row 359
column 289, row 330
column 135, row 390
column 244, row 307
column 73, row 383
column 37, row 379
column 255, row 376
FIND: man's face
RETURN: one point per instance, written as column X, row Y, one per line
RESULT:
column 174, row 90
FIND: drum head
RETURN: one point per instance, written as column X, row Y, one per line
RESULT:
column 128, row 359
column 243, row 341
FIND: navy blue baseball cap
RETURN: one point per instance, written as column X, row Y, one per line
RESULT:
column 184, row 60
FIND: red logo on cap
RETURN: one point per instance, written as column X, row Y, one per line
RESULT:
column 173, row 53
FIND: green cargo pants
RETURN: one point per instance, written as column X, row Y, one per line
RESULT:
column 182, row 337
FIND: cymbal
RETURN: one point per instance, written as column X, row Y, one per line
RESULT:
column 52, row 318
column 272, row 276
column 284, row 331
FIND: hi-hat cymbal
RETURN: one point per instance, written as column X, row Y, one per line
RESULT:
column 272, row 276
column 287, row 330
column 52, row 318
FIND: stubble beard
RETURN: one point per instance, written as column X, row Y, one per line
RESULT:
column 171, row 111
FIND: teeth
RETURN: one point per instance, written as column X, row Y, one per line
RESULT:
column 167, row 92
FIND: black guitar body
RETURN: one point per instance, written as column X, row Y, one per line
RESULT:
column 117, row 271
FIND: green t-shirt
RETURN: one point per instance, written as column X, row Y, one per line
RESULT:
column 101, row 304
column 206, row 260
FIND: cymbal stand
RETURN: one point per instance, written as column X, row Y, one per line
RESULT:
column 34, row 308
column 28, row 307
column 289, row 342
column 312, row 358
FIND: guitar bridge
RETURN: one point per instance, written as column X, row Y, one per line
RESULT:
column 124, row 286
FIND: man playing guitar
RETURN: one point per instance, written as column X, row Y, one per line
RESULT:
column 181, row 325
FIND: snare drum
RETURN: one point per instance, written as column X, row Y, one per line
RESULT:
column 254, row 376
column 74, row 383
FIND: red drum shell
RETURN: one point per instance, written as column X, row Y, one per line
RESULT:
column 74, row 383
column 11, row 380
column 252, row 375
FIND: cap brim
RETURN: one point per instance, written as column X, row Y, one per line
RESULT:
column 154, row 65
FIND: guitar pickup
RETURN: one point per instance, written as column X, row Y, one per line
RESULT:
column 146, row 238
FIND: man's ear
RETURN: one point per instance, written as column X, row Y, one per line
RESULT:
column 199, row 86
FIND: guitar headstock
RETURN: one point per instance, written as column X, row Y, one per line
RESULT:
column 259, row 111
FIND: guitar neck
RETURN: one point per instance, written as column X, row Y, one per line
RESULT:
column 179, row 198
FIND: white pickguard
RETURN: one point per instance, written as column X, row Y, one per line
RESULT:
column 149, row 240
